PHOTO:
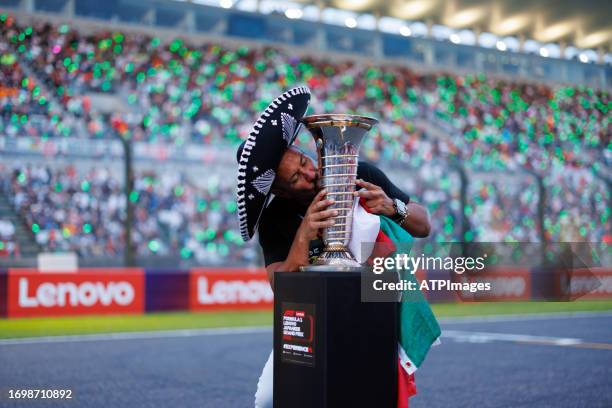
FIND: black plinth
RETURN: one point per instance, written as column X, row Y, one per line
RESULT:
column 330, row 349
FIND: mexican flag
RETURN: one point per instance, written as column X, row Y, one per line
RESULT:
column 419, row 329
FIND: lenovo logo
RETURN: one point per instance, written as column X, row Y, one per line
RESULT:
column 86, row 294
column 233, row 291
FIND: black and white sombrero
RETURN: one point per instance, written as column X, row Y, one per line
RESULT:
column 259, row 155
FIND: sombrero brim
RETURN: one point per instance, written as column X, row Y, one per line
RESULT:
column 260, row 155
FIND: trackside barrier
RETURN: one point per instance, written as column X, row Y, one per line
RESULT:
column 30, row 293
column 507, row 284
column 202, row 289
column 592, row 283
column 563, row 284
column 88, row 291
column 3, row 292
column 229, row 289
column 166, row 290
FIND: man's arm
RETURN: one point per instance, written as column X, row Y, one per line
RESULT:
column 316, row 217
column 417, row 221
column 298, row 256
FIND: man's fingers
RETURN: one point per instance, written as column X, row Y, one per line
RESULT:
column 367, row 194
column 321, row 215
column 322, row 204
column 366, row 185
column 323, row 224
column 320, row 195
column 318, row 198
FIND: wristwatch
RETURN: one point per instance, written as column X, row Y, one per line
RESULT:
column 401, row 211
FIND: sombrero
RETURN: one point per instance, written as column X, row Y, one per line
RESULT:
column 259, row 155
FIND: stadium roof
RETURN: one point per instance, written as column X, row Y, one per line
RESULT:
column 581, row 23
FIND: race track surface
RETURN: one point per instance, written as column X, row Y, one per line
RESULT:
column 499, row 362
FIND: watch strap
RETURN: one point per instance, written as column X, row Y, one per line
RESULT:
column 399, row 216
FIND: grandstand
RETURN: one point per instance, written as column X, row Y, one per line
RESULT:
column 493, row 155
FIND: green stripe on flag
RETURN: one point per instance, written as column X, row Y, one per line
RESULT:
column 418, row 325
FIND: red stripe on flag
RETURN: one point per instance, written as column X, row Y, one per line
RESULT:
column 406, row 386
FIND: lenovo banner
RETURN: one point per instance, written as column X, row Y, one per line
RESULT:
column 586, row 283
column 88, row 291
column 3, row 291
column 499, row 283
column 229, row 289
column 166, row 289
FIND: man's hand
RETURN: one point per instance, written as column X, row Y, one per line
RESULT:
column 317, row 217
column 417, row 221
column 376, row 199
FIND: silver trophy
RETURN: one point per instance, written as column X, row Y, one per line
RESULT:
column 338, row 138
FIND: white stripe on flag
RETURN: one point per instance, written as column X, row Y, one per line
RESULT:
column 405, row 361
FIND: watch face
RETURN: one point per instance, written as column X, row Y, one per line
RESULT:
column 401, row 207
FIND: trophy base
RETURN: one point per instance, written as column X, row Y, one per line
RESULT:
column 333, row 261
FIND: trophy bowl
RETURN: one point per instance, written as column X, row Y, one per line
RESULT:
column 338, row 139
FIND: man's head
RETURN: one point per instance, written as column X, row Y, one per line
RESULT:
column 296, row 176
column 259, row 156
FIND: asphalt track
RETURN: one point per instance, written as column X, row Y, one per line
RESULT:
column 499, row 362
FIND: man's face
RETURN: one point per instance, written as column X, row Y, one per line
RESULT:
column 297, row 176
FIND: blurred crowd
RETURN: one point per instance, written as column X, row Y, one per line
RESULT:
column 178, row 92
column 437, row 125
column 83, row 211
column 9, row 247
